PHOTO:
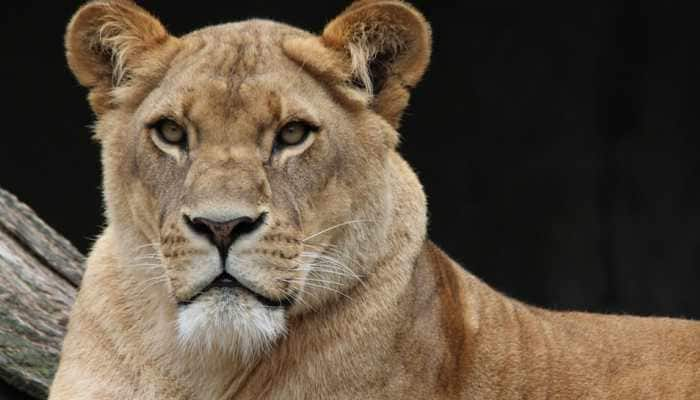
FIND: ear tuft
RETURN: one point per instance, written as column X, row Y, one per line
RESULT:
column 387, row 45
column 107, row 41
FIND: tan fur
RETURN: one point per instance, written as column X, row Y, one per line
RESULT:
column 378, row 311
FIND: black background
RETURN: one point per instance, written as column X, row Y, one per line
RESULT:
column 557, row 143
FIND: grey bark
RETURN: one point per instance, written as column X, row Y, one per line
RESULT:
column 40, row 273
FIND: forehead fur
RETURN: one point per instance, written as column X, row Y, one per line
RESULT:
column 256, row 44
column 236, row 70
column 233, row 52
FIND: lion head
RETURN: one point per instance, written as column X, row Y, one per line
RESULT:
column 251, row 168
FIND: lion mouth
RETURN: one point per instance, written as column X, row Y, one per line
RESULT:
column 226, row 282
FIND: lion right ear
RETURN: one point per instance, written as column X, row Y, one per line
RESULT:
column 109, row 43
column 386, row 44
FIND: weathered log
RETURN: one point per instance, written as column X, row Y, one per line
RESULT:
column 40, row 272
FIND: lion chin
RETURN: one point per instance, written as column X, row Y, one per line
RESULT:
column 229, row 321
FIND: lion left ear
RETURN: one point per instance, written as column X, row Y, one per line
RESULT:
column 386, row 46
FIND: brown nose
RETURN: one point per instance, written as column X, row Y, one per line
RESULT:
column 223, row 234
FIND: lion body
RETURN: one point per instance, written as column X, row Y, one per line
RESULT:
column 447, row 336
column 376, row 310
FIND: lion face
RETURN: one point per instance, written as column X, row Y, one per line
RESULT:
column 242, row 167
column 242, row 157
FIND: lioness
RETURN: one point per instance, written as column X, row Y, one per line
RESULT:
column 265, row 239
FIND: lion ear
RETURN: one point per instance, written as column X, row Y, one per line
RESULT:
column 386, row 46
column 108, row 43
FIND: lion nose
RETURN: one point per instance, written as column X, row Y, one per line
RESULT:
column 223, row 234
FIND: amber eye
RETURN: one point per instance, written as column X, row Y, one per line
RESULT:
column 170, row 132
column 293, row 133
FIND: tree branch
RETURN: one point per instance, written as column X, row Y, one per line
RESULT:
column 40, row 272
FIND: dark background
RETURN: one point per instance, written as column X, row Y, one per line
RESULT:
column 557, row 144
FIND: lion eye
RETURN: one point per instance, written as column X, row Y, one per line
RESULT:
column 170, row 132
column 293, row 133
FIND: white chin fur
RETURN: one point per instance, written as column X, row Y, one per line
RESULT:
column 241, row 328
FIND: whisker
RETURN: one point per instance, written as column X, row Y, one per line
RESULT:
column 300, row 299
column 325, row 268
column 321, row 287
column 335, row 263
column 319, row 268
column 297, row 296
column 333, row 250
column 310, row 280
column 334, row 227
